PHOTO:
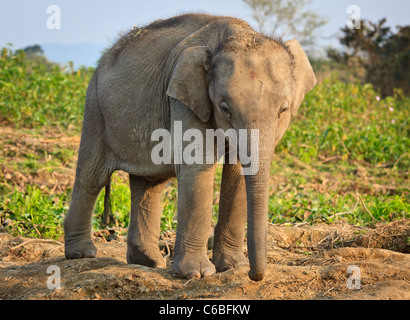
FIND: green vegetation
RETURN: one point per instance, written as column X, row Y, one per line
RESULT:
column 344, row 158
column 32, row 96
column 377, row 54
column 352, row 122
column 34, row 213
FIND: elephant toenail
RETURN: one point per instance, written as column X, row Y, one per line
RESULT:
column 89, row 254
column 76, row 255
column 193, row 275
column 208, row 272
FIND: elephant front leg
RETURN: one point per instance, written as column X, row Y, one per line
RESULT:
column 145, row 223
column 228, row 250
column 195, row 196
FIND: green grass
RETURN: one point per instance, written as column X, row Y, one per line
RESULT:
column 34, row 214
column 299, row 207
column 33, row 96
column 350, row 121
column 344, row 141
column 120, row 204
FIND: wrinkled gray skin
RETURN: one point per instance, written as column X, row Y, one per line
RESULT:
column 184, row 69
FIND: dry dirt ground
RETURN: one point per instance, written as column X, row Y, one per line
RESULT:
column 304, row 262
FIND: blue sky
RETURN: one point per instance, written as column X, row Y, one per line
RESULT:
column 88, row 26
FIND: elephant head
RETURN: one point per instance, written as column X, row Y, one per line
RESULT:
column 247, row 83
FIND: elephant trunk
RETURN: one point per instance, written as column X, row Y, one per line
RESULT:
column 257, row 191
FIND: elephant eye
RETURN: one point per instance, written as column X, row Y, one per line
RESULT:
column 283, row 109
column 225, row 110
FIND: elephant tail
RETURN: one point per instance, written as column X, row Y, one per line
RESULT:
column 107, row 203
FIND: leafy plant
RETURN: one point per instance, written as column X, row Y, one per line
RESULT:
column 34, row 214
column 33, row 96
column 352, row 122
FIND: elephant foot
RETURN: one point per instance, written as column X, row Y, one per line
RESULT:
column 149, row 257
column 192, row 266
column 79, row 249
column 227, row 261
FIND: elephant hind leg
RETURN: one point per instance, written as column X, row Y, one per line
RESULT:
column 92, row 174
column 91, row 177
column 77, row 225
column 145, row 223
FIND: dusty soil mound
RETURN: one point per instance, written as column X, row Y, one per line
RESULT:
column 304, row 262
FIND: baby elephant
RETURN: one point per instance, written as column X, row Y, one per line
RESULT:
column 168, row 86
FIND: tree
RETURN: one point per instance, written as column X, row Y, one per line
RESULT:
column 383, row 54
column 287, row 19
column 36, row 49
column 36, row 53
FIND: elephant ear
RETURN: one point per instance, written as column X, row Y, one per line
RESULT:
column 188, row 83
column 305, row 79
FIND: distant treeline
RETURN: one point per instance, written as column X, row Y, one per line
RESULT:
column 375, row 54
